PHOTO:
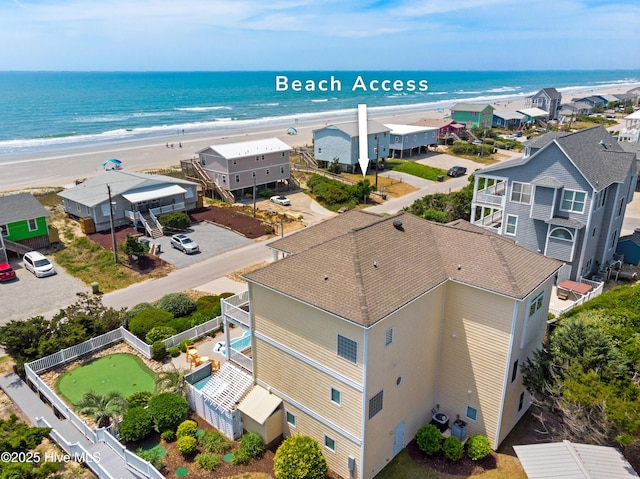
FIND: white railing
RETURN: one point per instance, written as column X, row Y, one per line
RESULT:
column 155, row 220
column 131, row 459
column 161, row 210
column 144, row 223
column 598, row 287
column 237, row 299
column 489, row 198
column 242, row 360
column 489, row 220
column 231, row 308
column 130, row 215
column 136, row 343
column 79, row 453
column 194, row 332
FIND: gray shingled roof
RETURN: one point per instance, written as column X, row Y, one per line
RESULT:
column 600, row 164
column 551, row 93
column 470, row 106
column 20, row 207
column 548, row 181
column 94, row 191
column 352, row 129
column 369, row 272
column 509, row 115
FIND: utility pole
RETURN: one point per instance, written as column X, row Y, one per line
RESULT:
column 113, row 232
column 254, row 196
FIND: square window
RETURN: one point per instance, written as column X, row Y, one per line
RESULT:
column 573, row 201
column 330, row 443
column 291, row 419
column 472, row 413
column 512, row 223
column 336, row 396
column 4, row 229
column 536, row 304
column 521, row 193
column 33, row 225
column 347, row 348
column 388, row 337
column 375, row 404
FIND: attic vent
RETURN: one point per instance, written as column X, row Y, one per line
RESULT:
column 604, row 144
column 397, row 224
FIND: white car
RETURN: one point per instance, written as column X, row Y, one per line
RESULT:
column 184, row 244
column 281, row 200
column 38, row 264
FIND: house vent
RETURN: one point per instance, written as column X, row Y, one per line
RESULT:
column 397, row 224
column 604, row 144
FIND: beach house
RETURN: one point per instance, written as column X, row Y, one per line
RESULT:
column 565, row 197
column 128, row 198
column 547, row 99
column 23, row 220
column 369, row 327
column 341, row 141
column 508, row 119
column 631, row 130
column 239, row 167
column 448, row 129
column 473, row 115
column 405, row 140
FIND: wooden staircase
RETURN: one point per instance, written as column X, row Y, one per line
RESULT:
column 153, row 228
column 193, row 170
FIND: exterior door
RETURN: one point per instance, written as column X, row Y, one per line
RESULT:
column 398, row 438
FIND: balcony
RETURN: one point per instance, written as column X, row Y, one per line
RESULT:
column 492, row 195
column 492, row 221
column 236, row 309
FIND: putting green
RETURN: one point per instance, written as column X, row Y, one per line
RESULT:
column 122, row 372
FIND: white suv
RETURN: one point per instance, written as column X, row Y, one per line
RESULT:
column 38, row 264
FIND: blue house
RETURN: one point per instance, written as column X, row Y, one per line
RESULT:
column 508, row 119
column 407, row 139
column 565, row 197
column 341, row 141
column 629, row 247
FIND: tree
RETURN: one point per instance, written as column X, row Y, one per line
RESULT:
column 172, row 381
column 105, row 408
column 178, row 304
column 334, row 166
column 362, row 190
column 133, row 246
column 136, row 424
column 168, row 410
column 299, row 457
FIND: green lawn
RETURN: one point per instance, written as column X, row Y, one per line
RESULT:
column 416, row 169
column 124, row 373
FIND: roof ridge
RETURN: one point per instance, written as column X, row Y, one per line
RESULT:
column 362, row 297
column 505, row 265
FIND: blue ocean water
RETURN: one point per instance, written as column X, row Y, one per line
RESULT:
column 53, row 111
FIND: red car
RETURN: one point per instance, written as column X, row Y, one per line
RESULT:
column 6, row 272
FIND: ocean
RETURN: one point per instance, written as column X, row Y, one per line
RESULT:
column 56, row 111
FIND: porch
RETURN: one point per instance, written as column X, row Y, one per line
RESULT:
column 488, row 203
column 561, row 302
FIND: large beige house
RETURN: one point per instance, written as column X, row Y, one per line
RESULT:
column 366, row 326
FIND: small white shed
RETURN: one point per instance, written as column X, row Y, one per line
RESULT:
column 262, row 413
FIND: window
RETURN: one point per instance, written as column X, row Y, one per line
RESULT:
column 4, row 229
column 562, row 233
column 536, row 304
column 573, row 201
column 33, row 225
column 347, row 348
column 512, row 223
column 521, row 193
column 262, row 157
column 397, row 139
column 375, row 404
column 319, row 150
column 235, row 162
column 237, row 178
column 282, row 154
column 599, row 199
column 612, row 241
column 620, row 207
column 291, row 419
column 282, row 170
column 388, row 337
column 330, row 443
column 336, row 396
column 593, row 232
column 257, row 158
column 472, row 413
column 521, row 402
column 224, row 178
column 253, row 173
column 78, row 206
column 514, row 373
column 266, row 172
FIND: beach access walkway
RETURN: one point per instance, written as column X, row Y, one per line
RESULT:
column 98, row 456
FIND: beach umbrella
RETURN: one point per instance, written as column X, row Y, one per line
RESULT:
column 292, row 131
column 112, row 164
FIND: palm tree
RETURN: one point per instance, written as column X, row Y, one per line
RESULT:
column 105, row 408
column 172, row 381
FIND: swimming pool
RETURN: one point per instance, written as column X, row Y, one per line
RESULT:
column 239, row 343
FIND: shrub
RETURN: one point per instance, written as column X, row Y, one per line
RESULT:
column 429, row 439
column 138, row 308
column 187, row 428
column 178, row 304
column 168, row 410
column 241, row 457
column 174, row 351
column 200, row 317
column 205, row 303
column 180, row 324
column 154, row 456
column 252, row 445
column 184, row 343
column 158, row 350
column 186, row 445
column 478, row 447
column 141, row 398
column 177, row 220
column 168, row 435
column 299, row 457
column 213, row 441
column 208, row 461
column 453, row 448
column 136, row 424
column 146, row 320
column 159, row 333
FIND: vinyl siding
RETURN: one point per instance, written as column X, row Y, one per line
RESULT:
column 476, row 358
column 305, row 329
column 307, row 425
column 330, row 143
column 542, row 208
column 413, row 357
column 19, row 230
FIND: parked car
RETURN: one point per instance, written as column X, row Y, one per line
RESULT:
column 184, row 244
column 281, row 200
column 38, row 264
column 456, row 171
column 6, row 272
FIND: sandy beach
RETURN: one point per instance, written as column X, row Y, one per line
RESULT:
column 62, row 168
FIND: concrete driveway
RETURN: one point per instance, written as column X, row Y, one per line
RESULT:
column 301, row 204
column 212, row 239
column 28, row 296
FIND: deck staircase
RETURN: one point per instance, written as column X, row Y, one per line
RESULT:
column 306, row 157
column 17, row 248
column 151, row 225
column 194, row 171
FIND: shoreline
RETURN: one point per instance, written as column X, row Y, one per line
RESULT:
column 64, row 167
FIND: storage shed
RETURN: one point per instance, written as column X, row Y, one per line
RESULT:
column 262, row 414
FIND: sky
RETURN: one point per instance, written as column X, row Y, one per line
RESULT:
column 276, row 35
